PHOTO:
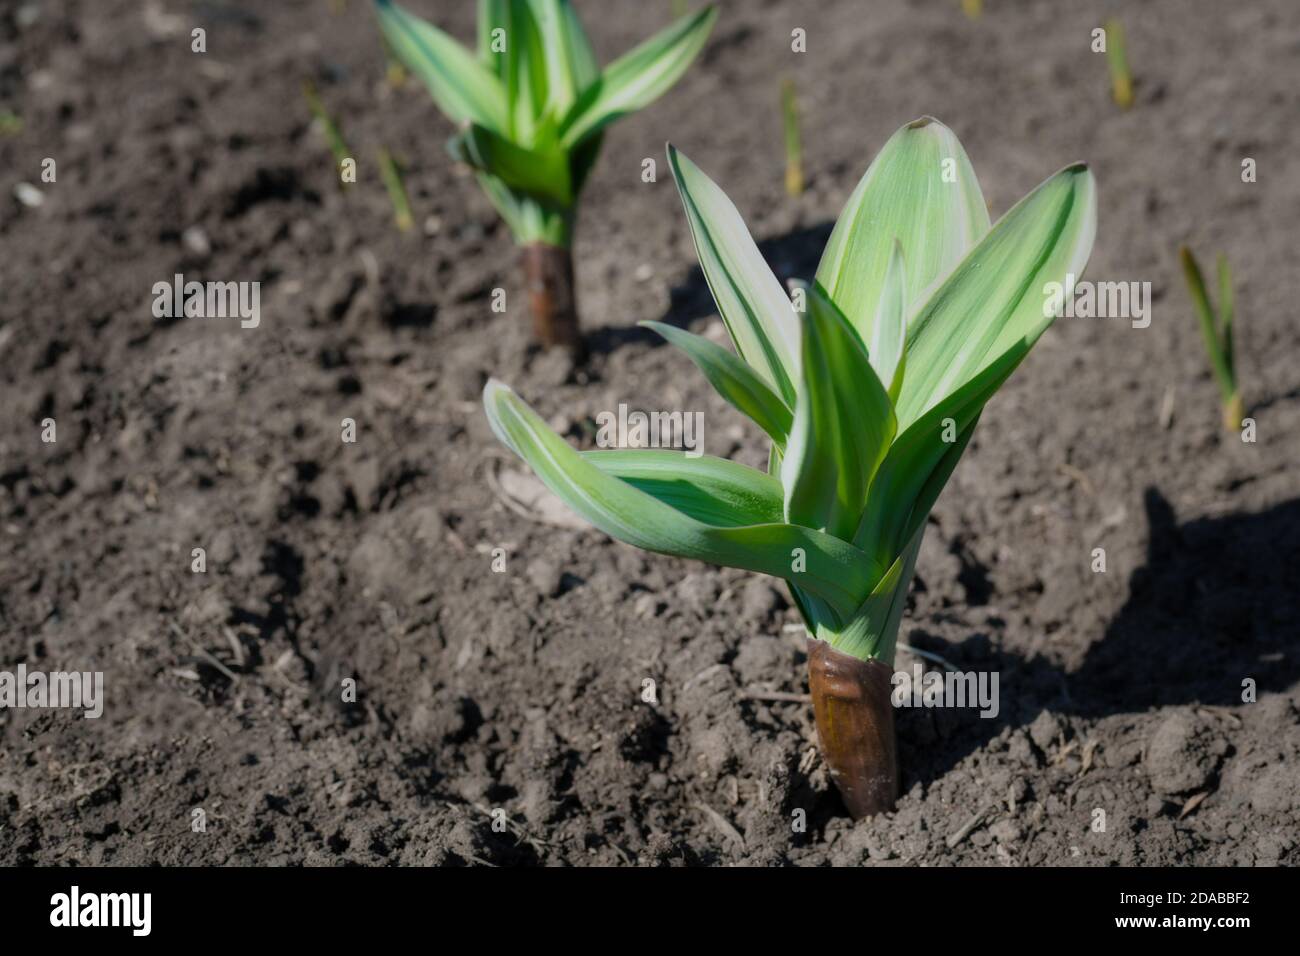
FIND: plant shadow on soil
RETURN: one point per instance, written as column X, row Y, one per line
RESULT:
column 1215, row 603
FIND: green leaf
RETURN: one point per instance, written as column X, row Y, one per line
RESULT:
column 713, row 490
column 492, row 15
column 1210, row 331
column 733, row 380
column 755, row 309
column 998, row 295
column 570, row 62
column 1226, row 308
column 464, row 88
column 526, row 79
column 938, row 479
column 835, row 571
column 843, row 424
column 639, row 77
column 918, row 451
column 889, row 330
column 905, row 195
column 542, row 173
column 872, row 631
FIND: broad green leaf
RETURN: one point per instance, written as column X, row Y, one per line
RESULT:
column 755, row 309
column 835, row 571
column 542, row 173
column 639, row 77
column 934, row 485
column 889, row 330
column 713, row 490
column 570, row 63
column 507, row 204
column 733, row 380
column 464, row 88
column 918, row 451
column 843, row 424
column 884, row 649
column 493, row 15
column 920, row 189
column 998, row 295
column 872, row 631
column 530, row 219
column 526, row 77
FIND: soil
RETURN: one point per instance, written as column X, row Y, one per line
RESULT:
column 522, row 691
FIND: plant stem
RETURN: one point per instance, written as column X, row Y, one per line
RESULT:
column 850, row 671
column 855, row 724
column 548, row 276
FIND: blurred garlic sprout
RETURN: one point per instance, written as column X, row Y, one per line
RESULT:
column 531, row 107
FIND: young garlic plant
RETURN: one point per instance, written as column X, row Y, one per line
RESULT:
column 869, row 394
column 532, row 107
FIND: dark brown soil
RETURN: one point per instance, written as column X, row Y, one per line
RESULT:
column 1121, row 691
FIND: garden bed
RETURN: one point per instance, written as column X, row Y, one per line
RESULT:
column 1120, row 691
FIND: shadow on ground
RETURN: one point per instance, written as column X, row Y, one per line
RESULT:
column 1215, row 603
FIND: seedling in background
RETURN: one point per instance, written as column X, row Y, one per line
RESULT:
column 793, row 146
column 392, row 177
column 394, row 72
column 338, row 146
column 531, row 109
column 1216, row 330
column 919, row 312
column 973, row 8
column 1121, row 81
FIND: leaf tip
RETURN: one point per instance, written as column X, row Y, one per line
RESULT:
column 493, row 389
column 921, row 122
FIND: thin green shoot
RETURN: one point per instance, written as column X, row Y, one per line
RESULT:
column 333, row 136
column 1121, row 80
column 1217, row 332
column 793, row 145
column 392, row 177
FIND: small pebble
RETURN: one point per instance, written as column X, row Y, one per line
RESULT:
column 28, row 195
column 196, row 241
